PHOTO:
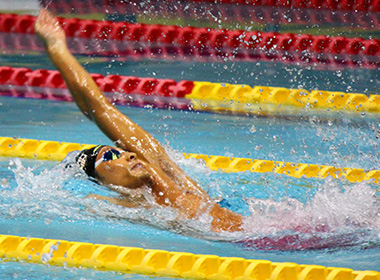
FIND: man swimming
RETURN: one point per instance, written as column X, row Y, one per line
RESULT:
column 139, row 160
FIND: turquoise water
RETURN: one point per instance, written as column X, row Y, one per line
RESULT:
column 336, row 222
column 39, row 200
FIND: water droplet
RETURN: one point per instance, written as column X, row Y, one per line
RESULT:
column 253, row 129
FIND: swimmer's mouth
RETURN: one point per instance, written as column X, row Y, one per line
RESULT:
column 138, row 165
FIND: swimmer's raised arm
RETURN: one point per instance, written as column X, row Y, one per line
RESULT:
column 170, row 185
column 89, row 98
column 53, row 36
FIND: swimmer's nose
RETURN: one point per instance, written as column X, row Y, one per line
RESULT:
column 129, row 155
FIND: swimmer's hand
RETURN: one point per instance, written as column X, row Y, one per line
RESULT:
column 49, row 30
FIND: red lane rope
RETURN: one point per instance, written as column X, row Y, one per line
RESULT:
column 210, row 11
column 336, row 5
column 204, row 42
column 347, row 5
column 123, row 90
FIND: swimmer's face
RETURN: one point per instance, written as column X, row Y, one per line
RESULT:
column 118, row 167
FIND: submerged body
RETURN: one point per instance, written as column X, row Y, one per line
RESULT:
column 138, row 160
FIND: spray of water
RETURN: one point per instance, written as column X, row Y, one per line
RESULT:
column 335, row 215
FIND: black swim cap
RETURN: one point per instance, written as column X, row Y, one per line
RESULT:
column 86, row 160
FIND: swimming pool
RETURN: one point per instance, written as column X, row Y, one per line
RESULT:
column 38, row 214
column 39, row 200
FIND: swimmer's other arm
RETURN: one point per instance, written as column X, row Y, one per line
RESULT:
column 113, row 200
column 224, row 219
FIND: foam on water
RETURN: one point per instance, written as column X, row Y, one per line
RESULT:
column 338, row 214
column 333, row 206
column 38, row 195
column 333, row 214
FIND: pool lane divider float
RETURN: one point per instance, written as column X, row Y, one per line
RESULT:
column 161, row 41
column 371, row 6
column 52, row 150
column 250, row 12
column 189, row 95
column 164, row 263
column 347, row 5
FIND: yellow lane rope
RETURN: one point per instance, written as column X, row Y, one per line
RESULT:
column 262, row 100
column 52, row 150
column 164, row 263
column 204, row 96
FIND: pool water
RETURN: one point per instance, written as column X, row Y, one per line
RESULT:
column 40, row 199
column 329, row 222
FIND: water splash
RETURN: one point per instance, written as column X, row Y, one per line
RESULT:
column 42, row 195
column 334, row 214
column 337, row 215
column 61, row 194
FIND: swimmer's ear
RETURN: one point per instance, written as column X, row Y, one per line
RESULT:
column 72, row 165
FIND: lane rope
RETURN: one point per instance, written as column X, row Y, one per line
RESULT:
column 189, row 95
column 361, row 5
column 360, row 12
column 164, row 263
column 174, row 41
column 53, row 150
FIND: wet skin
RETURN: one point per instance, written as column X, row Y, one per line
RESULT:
column 131, row 172
column 127, row 171
column 147, row 162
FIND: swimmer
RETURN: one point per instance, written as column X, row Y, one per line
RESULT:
column 138, row 160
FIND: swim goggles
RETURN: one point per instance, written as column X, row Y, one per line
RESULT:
column 109, row 155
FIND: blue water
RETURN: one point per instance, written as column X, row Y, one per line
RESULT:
column 348, row 141
column 37, row 202
column 38, row 199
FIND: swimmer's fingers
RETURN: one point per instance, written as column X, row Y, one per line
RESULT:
column 49, row 29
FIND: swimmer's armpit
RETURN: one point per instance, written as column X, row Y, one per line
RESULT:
column 116, row 201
